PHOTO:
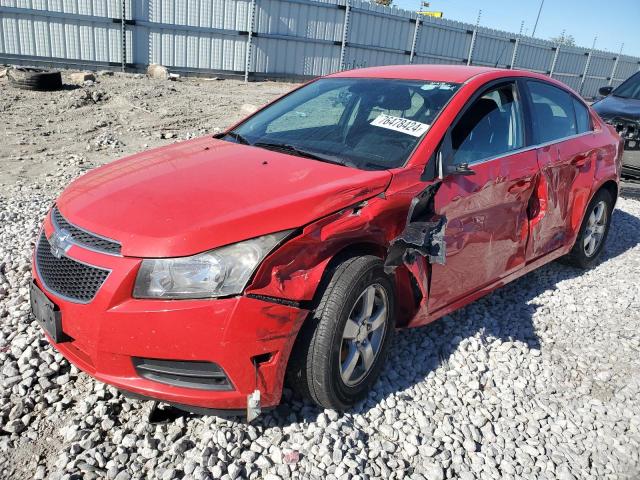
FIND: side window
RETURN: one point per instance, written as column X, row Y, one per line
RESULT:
column 553, row 112
column 491, row 126
column 583, row 119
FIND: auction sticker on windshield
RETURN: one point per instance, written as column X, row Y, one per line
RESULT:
column 399, row 124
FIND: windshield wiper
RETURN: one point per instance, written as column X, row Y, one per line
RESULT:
column 377, row 166
column 237, row 137
column 288, row 148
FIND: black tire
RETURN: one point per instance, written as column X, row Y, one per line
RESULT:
column 578, row 256
column 315, row 365
column 34, row 79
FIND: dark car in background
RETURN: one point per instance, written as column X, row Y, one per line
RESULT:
column 621, row 108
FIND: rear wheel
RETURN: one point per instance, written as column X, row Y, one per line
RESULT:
column 342, row 346
column 593, row 232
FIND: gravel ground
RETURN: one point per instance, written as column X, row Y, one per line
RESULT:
column 541, row 379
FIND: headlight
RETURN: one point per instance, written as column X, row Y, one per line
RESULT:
column 216, row 273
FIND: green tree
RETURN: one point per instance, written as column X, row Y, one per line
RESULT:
column 386, row 3
column 564, row 40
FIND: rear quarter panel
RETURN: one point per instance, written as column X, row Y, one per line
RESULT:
column 610, row 149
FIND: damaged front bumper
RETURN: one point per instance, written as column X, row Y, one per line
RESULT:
column 171, row 351
column 207, row 353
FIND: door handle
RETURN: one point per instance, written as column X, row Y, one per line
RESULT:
column 520, row 186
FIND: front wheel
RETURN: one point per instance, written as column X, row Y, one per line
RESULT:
column 593, row 232
column 342, row 346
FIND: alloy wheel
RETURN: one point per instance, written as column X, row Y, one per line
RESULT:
column 596, row 227
column 363, row 334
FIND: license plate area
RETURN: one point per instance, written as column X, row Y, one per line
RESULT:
column 46, row 313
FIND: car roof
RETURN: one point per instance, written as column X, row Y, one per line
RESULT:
column 437, row 73
column 446, row 73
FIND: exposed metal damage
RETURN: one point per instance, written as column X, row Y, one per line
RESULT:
column 423, row 234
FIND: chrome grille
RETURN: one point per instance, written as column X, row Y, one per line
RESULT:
column 82, row 237
column 66, row 277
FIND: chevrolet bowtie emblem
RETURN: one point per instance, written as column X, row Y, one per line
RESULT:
column 60, row 242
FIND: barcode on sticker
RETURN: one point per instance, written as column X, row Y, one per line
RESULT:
column 399, row 124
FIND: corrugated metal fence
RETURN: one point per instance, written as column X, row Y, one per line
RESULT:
column 278, row 38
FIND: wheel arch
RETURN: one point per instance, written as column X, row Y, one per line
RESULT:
column 405, row 292
column 354, row 249
column 611, row 186
column 576, row 255
column 341, row 279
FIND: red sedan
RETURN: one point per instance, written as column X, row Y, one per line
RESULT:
column 293, row 245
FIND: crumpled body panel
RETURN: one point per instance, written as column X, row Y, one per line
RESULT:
column 294, row 271
column 423, row 234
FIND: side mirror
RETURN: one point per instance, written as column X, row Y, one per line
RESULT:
column 446, row 154
column 604, row 91
column 441, row 156
column 460, row 169
column 441, row 163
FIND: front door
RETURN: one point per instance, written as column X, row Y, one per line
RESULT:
column 487, row 225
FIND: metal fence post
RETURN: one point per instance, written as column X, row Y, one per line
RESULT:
column 584, row 73
column 123, row 35
column 412, row 54
column 613, row 70
column 615, row 65
column 345, row 34
column 474, row 34
column 250, row 27
column 515, row 53
column 554, row 61
column 473, row 43
column 587, row 65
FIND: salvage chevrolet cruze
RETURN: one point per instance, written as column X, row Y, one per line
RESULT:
column 291, row 246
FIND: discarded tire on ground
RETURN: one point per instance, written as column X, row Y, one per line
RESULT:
column 34, row 79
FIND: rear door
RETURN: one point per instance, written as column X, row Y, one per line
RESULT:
column 566, row 154
column 487, row 225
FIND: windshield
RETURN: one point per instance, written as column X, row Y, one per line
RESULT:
column 630, row 88
column 370, row 124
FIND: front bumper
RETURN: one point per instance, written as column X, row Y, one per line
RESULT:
column 107, row 334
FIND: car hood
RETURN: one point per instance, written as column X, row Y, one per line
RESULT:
column 612, row 107
column 200, row 194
